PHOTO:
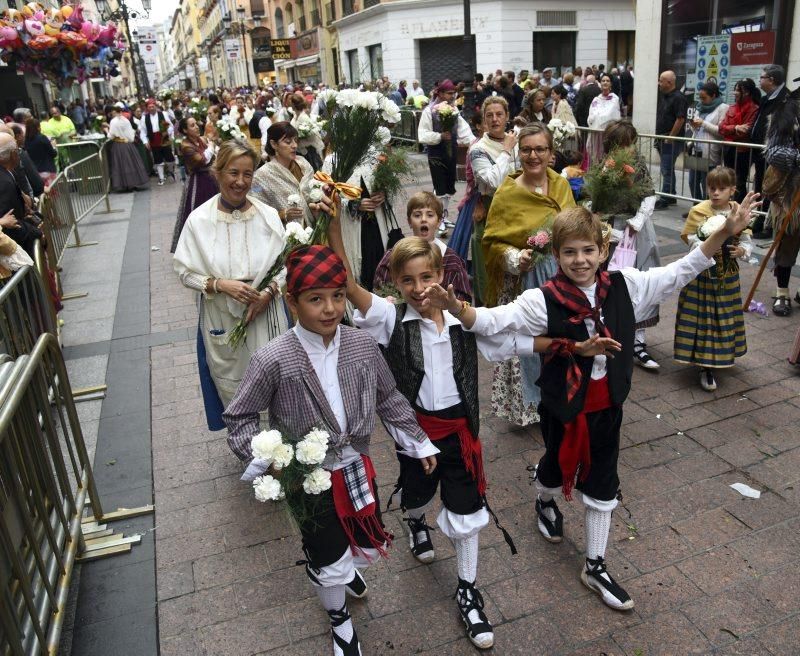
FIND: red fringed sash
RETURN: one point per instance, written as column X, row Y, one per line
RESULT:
column 366, row 519
column 574, row 449
column 438, row 429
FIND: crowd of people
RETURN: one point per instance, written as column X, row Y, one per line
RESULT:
column 556, row 293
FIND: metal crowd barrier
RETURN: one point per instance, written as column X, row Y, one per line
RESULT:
column 73, row 194
column 74, row 151
column 690, row 169
column 26, row 311
column 45, row 483
column 406, row 130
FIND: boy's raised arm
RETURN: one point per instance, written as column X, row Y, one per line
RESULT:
column 356, row 294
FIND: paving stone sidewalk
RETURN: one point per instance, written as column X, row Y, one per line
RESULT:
column 711, row 572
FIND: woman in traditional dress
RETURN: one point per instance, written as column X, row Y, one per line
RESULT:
column 210, row 132
column 127, row 170
column 197, row 154
column 311, row 146
column 491, row 159
column 638, row 221
column 283, row 176
column 526, row 201
column 227, row 246
column 144, row 154
column 603, row 110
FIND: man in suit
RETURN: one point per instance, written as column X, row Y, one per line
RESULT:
column 11, row 196
column 588, row 92
column 773, row 84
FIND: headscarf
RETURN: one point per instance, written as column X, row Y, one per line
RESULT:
column 314, row 267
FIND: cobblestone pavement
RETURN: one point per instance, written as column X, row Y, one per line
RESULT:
column 709, row 570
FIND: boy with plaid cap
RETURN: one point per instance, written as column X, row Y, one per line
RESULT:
column 324, row 375
column 582, row 397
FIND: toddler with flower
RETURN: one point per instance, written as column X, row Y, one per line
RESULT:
column 709, row 325
column 321, row 384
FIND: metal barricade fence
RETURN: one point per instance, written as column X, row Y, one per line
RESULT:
column 26, row 311
column 73, row 194
column 74, row 151
column 406, row 130
column 691, row 161
column 45, row 483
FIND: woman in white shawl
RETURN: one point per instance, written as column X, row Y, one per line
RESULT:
column 226, row 248
column 279, row 181
column 365, row 224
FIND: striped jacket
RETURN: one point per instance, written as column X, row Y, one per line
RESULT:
column 281, row 381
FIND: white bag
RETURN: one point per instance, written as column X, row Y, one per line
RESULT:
column 625, row 252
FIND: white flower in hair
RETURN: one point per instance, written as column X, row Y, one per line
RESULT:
column 264, row 444
column 317, row 481
column 267, row 488
column 282, row 456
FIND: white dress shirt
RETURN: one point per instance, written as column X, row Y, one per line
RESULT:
column 153, row 119
column 528, row 313
column 121, row 128
column 438, row 390
column 325, row 360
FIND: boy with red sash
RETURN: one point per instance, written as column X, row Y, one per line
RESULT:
column 582, row 397
column 323, row 375
column 435, row 364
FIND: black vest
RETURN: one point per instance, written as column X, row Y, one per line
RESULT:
column 149, row 126
column 618, row 316
column 406, row 360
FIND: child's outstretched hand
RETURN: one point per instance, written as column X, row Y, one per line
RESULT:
column 741, row 217
column 444, row 300
column 597, row 345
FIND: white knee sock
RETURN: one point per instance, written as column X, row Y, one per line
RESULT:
column 467, row 557
column 639, row 338
column 598, row 524
column 160, row 171
column 445, row 204
column 333, row 598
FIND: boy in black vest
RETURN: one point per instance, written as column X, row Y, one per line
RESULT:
column 435, row 364
column 582, row 397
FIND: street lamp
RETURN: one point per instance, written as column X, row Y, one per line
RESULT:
column 123, row 14
column 242, row 31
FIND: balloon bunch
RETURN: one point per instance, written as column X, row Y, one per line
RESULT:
column 59, row 44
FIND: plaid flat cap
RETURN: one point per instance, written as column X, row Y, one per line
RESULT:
column 314, row 267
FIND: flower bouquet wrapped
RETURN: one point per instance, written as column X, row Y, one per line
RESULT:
column 562, row 131
column 448, row 116
column 613, row 185
column 298, row 477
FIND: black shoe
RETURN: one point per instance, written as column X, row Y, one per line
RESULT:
column 552, row 531
column 595, row 577
column 661, row 204
column 357, row 587
column 419, row 539
column 340, row 647
column 643, row 359
column 782, row 307
column 766, row 233
column 470, row 605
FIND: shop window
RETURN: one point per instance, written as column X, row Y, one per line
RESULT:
column 301, row 15
column 375, row 61
column 352, row 63
column 279, row 29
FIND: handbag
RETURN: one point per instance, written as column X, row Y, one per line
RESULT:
column 395, row 231
column 625, row 252
column 693, row 160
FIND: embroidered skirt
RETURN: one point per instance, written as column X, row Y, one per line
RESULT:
column 709, row 325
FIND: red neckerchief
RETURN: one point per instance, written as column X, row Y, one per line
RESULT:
column 574, row 300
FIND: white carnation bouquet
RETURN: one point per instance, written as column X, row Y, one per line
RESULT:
column 298, row 476
column 229, row 131
column 308, row 127
column 562, row 130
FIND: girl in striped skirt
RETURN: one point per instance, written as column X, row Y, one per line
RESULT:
column 709, row 326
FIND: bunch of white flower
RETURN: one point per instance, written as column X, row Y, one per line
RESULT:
column 367, row 100
column 264, row 444
column 317, row 481
column 346, row 97
column 317, row 191
column 312, row 448
column 268, row 488
column 389, row 111
column 327, row 95
column 282, row 456
column 561, row 130
column 297, row 234
column 384, row 135
column 293, row 200
column 711, row 225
